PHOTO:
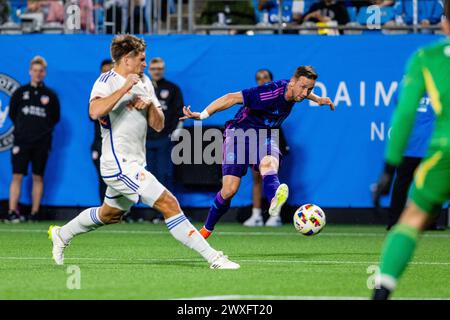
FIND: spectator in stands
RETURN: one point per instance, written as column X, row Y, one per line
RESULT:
column 96, row 147
column 271, row 8
column 86, row 14
column 328, row 10
column 4, row 11
column 231, row 12
column 137, row 22
column 113, row 15
column 429, row 12
column 366, row 3
column 54, row 9
column 34, row 111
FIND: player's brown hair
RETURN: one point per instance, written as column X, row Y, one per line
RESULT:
column 157, row 60
column 126, row 44
column 38, row 60
column 307, row 72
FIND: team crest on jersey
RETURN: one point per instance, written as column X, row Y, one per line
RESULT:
column 164, row 94
column 7, row 86
column 45, row 100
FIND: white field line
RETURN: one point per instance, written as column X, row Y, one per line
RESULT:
column 272, row 297
column 312, row 262
column 237, row 233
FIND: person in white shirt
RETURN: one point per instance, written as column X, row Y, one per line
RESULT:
column 123, row 101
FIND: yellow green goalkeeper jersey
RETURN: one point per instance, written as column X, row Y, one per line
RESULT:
column 428, row 70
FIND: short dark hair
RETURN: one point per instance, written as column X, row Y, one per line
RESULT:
column 157, row 60
column 105, row 62
column 305, row 71
column 268, row 72
column 447, row 9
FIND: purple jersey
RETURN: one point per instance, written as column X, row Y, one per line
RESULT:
column 264, row 107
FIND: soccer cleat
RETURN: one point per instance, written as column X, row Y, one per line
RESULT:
column 274, row 222
column 205, row 232
column 381, row 294
column 13, row 217
column 33, row 217
column 254, row 221
column 58, row 244
column 279, row 200
column 221, row 261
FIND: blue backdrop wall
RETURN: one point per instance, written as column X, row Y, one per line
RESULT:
column 334, row 158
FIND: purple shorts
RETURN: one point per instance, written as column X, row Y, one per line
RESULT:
column 244, row 148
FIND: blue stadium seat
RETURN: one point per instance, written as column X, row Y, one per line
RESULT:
column 352, row 13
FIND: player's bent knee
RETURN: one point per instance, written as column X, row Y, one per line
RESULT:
column 268, row 163
column 37, row 178
column 229, row 191
column 17, row 177
column 167, row 204
column 109, row 215
column 414, row 217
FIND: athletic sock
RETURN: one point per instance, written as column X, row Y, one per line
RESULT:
column 270, row 184
column 219, row 207
column 86, row 221
column 182, row 230
column 398, row 250
column 256, row 212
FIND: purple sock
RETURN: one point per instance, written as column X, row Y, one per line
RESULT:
column 270, row 184
column 217, row 210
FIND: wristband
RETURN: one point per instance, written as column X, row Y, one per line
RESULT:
column 204, row 114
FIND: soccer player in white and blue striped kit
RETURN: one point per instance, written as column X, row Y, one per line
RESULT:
column 123, row 100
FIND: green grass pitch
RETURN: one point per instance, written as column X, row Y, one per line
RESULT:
column 143, row 261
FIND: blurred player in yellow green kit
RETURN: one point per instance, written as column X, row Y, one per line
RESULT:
column 428, row 71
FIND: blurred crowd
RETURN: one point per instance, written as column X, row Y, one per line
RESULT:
column 132, row 16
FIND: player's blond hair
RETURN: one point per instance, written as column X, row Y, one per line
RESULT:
column 125, row 44
column 38, row 60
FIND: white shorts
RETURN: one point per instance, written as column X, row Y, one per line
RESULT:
column 133, row 184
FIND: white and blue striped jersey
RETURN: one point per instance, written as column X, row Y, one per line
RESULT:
column 124, row 129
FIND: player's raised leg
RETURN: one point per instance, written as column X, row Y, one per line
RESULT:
column 221, row 203
column 398, row 249
column 275, row 192
column 182, row 230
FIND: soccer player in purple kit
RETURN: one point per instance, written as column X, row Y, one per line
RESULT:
column 264, row 108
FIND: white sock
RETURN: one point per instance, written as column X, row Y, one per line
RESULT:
column 256, row 212
column 86, row 221
column 182, row 230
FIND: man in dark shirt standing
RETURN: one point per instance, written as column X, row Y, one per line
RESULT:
column 159, row 144
column 34, row 111
column 327, row 10
column 96, row 147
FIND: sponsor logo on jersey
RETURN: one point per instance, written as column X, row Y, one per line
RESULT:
column 7, row 86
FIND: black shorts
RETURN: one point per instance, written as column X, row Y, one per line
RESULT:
column 21, row 156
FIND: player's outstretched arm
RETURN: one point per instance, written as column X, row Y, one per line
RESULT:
column 321, row 101
column 223, row 103
column 101, row 106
